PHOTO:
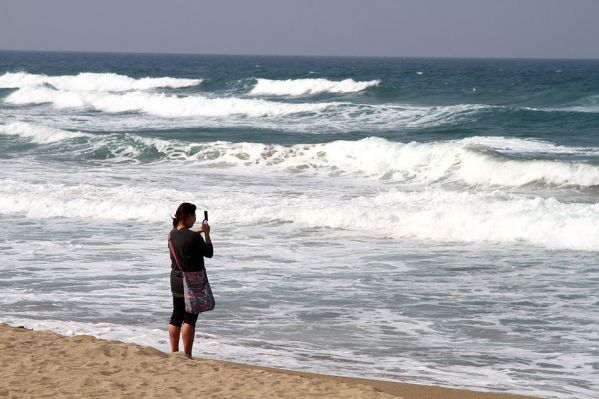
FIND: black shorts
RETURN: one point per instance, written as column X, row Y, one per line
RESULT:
column 180, row 315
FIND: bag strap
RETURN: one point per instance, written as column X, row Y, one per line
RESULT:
column 172, row 249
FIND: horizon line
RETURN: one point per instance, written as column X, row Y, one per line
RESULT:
column 299, row 55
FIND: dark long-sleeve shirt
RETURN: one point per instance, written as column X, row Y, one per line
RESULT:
column 191, row 250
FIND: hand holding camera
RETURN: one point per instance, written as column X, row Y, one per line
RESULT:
column 205, row 227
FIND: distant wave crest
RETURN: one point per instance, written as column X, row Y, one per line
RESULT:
column 305, row 116
column 158, row 104
column 88, row 81
column 302, row 87
column 586, row 105
column 39, row 134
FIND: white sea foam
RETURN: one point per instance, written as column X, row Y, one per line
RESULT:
column 420, row 163
column 301, row 87
column 528, row 145
column 438, row 214
column 93, row 81
column 38, row 133
column 210, row 111
column 162, row 105
column 445, row 216
column 80, row 201
column 464, row 161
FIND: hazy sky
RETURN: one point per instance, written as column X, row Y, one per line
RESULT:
column 440, row 28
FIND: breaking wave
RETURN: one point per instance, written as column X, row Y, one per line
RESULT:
column 39, row 134
column 475, row 161
column 437, row 215
column 159, row 104
column 301, row 87
column 87, row 81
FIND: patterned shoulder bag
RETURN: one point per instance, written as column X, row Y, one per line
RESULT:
column 196, row 288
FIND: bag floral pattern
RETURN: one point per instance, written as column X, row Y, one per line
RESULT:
column 197, row 292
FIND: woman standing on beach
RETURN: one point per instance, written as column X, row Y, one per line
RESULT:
column 191, row 250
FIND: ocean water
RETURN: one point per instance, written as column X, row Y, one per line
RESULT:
column 421, row 220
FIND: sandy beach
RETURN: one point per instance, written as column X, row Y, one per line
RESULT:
column 40, row 364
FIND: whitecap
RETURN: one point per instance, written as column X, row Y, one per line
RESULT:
column 301, row 87
column 87, row 81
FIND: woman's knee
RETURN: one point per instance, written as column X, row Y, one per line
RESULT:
column 178, row 315
column 190, row 318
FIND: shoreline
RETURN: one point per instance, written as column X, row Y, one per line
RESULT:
column 39, row 363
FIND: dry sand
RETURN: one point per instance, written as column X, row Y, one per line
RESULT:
column 35, row 364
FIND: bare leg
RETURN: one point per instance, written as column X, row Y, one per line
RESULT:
column 188, row 334
column 174, row 332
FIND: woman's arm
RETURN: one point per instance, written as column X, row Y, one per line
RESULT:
column 207, row 248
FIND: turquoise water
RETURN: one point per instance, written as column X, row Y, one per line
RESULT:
column 422, row 220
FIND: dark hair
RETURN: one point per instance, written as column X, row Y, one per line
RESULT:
column 184, row 210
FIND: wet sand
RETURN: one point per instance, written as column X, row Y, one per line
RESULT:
column 42, row 364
